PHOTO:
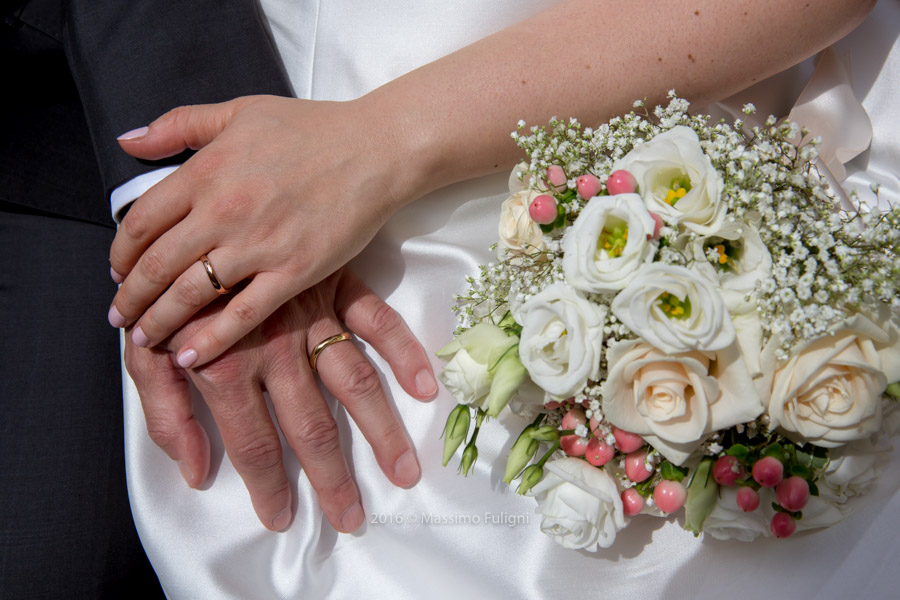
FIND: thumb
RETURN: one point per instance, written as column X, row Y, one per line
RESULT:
column 182, row 128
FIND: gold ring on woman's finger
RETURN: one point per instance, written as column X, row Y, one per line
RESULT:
column 217, row 285
column 314, row 355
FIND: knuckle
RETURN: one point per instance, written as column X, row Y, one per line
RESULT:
column 188, row 293
column 261, row 453
column 246, row 314
column 385, row 321
column 319, row 437
column 361, row 381
column 134, row 225
column 162, row 433
column 153, row 268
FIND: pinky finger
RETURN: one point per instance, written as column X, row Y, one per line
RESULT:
column 243, row 313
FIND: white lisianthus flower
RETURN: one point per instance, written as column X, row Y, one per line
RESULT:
column 742, row 260
column 675, row 401
column 727, row 521
column 562, row 339
column 518, row 232
column 674, row 309
column 483, row 369
column 580, row 505
column 677, row 180
column 608, row 243
column 829, row 391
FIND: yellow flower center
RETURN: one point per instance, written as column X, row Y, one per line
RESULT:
column 679, row 188
column 673, row 307
column 613, row 238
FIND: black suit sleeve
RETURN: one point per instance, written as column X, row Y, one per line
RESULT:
column 134, row 60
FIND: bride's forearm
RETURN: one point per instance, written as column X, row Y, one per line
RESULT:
column 590, row 59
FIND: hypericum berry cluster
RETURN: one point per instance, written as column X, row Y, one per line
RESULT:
column 777, row 464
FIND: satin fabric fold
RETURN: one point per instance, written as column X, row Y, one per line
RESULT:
column 455, row 537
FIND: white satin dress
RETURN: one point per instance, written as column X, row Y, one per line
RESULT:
column 474, row 538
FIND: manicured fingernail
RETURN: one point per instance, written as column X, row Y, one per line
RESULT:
column 186, row 473
column 115, row 317
column 352, row 518
column 115, row 276
column 282, row 520
column 139, row 337
column 406, row 469
column 187, row 358
column 425, row 383
column 133, row 134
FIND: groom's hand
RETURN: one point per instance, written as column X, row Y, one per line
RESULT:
column 274, row 359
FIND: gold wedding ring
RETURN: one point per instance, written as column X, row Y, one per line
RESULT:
column 314, row 355
column 217, row 285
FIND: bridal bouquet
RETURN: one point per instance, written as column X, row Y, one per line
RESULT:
column 689, row 320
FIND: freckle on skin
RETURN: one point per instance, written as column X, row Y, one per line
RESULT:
column 659, row 59
column 523, row 82
column 697, row 13
column 691, row 57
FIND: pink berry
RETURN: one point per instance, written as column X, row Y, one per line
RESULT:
column 657, row 227
column 768, row 471
column 594, row 424
column 626, row 441
column 669, row 495
column 573, row 418
column 727, row 470
column 598, row 452
column 635, row 467
column 621, row 182
column 543, row 209
column 573, row 445
column 782, row 525
column 792, row 493
column 588, row 186
column 632, row 502
column 747, row 499
column 553, row 404
column 556, row 176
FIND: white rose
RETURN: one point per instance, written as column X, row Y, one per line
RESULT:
column 561, row 339
column 829, row 391
column 607, row 244
column 727, row 521
column 675, row 310
column 675, row 401
column 852, row 469
column 483, row 369
column 742, row 260
column 518, row 232
column 580, row 505
column 675, row 159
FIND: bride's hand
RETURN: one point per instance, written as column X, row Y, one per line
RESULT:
column 283, row 193
column 273, row 358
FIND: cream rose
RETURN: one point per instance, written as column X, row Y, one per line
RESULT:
column 675, row 310
column 608, row 243
column 518, row 232
column 675, row 401
column 561, row 339
column 852, row 469
column 674, row 161
column 580, row 505
column 829, row 391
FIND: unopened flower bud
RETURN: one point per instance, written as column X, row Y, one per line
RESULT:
column 521, row 454
column 470, row 455
column 456, row 430
column 545, row 433
column 530, row 478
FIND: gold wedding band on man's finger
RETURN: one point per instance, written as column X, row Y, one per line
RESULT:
column 217, row 285
column 314, row 355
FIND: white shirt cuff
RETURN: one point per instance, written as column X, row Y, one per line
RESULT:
column 132, row 189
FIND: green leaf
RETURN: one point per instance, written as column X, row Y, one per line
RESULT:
column 702, row 495
column 671, row 472
column 775, row 451
column 800, row 471
column 739, row 451
column 813, row 488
